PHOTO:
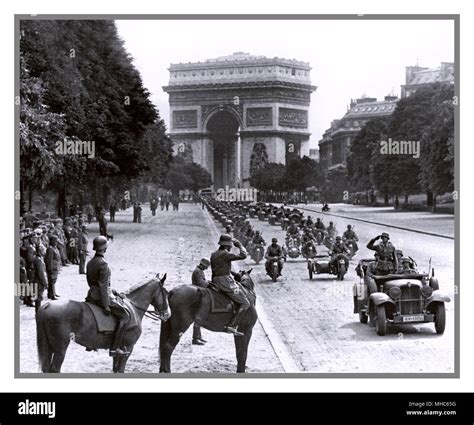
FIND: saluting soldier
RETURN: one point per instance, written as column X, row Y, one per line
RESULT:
column 100, row 293
column 387, row 260
column 198, row 278
column 221, row 264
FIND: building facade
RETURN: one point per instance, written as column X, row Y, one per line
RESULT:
column 417, row 76
column 336, row 141
column 234, row 112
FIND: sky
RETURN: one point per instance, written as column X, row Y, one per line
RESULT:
column 348, row 58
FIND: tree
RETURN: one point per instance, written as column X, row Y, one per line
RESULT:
column 90, row 81
column 363, row 151
column 186, row 175
column 270, row 177
column 437, row 174
column 335, row 184
column 301, row 173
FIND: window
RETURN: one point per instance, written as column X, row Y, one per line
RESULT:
column 293, row 71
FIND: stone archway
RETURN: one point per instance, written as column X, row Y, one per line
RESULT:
column 223, row 130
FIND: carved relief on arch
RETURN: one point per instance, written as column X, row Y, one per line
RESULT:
column 208, row 110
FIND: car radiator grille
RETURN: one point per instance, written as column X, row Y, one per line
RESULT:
column 410, row 300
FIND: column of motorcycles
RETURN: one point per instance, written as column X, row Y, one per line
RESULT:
column 302, row 238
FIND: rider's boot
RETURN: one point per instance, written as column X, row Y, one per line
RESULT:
column 234, row 323
column 115, row 349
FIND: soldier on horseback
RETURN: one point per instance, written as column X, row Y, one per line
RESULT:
column 100, row 293
column 221, row 264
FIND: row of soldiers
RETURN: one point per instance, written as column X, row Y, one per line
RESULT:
column 45, row 249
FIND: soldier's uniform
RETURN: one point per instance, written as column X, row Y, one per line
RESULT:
column 53, row 263
column 274, row 251
column 82, row 249
column 339, row 248
column 319, row 225
column 40, row 276
column 221, row 264
column 98, row 279
column 387, row 260
column 349, row 234
column 198, row 278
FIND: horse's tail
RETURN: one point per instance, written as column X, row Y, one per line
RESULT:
column 45, row 352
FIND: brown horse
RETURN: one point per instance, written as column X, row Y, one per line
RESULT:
column 57, row 323
column 190, row 304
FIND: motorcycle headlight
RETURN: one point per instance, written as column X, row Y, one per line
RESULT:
column 394, row 293
column 426, row 291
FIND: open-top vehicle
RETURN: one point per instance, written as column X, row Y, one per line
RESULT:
column 397, row 299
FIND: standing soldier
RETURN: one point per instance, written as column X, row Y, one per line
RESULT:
column 112, row 210
column 40, row 275
column 221, row 263
column 100, row 293
column 72, row 244
column 82, row 248
column 53, row 262
column 387, row 260
column 89, row 212
column 28, row 252
column 139, row 212
column 61, row 241
column 102, row 223
column 135, row 212
column 153, row 205
column 199, row 279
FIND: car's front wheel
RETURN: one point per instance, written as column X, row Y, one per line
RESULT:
column 381, row 321
column 440, row 318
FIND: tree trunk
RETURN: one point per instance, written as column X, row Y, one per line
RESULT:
column 22, row 198
column 406, row 199
column 429, row 199
column 433, row 208
column 385, row 198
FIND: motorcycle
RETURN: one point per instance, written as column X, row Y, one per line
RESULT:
column 351, row 247
column 272, row 220
column 309, row 250
column 325, row 208
column 293, row 249
column 329, row 241
column 338, row 268
column 257, row 253
column 273, row 273
column 319, row 235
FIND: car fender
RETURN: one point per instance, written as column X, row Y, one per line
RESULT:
column 437, row 297
column 379, row 298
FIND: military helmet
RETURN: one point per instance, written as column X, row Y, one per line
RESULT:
column 205, row 262
column 338, row 238
column 99, row 242
column 349, row 226
column 274, row 240
column 385, row 235
column 257, row 232
column 331, row 223
column 53, row 238
column 225, row 240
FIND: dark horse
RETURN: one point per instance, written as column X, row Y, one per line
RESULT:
column 57, row 323
column 190, row 304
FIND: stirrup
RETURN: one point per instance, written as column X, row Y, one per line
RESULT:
column 118, row 353
column 231, row 330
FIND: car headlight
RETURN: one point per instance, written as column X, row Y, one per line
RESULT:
column 426, row 291
column 394, row 293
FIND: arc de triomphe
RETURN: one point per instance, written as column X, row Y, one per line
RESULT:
column 232, row 110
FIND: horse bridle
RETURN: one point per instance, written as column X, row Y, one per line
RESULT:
column 151, row 314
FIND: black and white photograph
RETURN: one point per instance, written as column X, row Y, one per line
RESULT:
column 209, row 196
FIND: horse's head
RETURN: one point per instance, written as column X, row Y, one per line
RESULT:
column 160, row 299
column 245, row 279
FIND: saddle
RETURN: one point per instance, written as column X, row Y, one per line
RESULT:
column 220, row 303
column 107, row 324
